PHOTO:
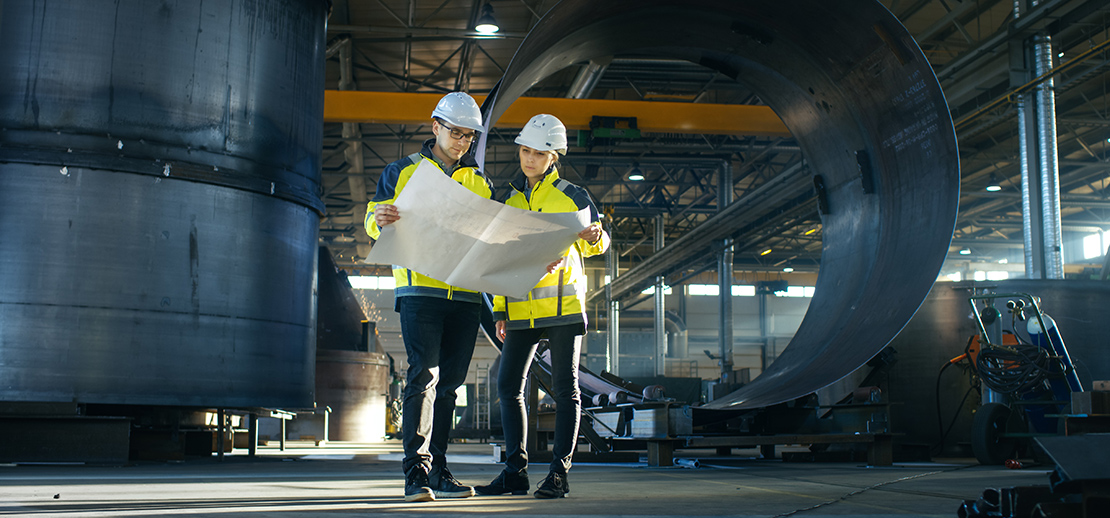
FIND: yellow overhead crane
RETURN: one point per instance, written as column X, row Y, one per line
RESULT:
column 651, row 117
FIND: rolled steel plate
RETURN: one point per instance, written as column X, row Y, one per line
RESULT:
column 868, row 113
column 229, row 92
column 159, row 170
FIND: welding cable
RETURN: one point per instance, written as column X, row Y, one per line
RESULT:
column 941, row 431
column 1016, row 369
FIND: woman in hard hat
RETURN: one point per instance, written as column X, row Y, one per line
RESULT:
column 554, row 309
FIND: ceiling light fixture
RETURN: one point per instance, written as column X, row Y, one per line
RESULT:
column 993, row 186
column 635, row 174
column 765, row 252
column 486, row 22
column 788, row 269
column 965, row 251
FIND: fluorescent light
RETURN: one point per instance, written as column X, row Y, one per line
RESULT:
column 636, row 177
column 788, row 269
column 965, row 251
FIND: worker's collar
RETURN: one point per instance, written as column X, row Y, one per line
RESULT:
column 521, row 181
column 467, row 159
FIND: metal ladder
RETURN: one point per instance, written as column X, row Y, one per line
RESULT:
column 482, row 393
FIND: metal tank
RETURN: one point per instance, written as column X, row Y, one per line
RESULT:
column 352, row 370
column 159, row 208
column 862, row 101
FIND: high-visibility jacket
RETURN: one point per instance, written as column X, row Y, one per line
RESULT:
column 394, row 178
column 559, row 298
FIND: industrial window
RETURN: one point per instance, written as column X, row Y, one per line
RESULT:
column 991, row 276
column 1094, row 245
column 743, row 290
column 370, row 282
column 797, row 291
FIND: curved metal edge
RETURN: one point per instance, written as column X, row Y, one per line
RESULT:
column 868, row 112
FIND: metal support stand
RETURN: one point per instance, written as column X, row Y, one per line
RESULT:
column 221, row 428
column 252, row 434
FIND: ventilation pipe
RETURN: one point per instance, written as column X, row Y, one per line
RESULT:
column 1040, row 172
column 1049, row 160
column 587, row 78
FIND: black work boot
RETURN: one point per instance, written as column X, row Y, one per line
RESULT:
column 507, row 482
column 445, row 485
column 417, row 487
column 554, row 486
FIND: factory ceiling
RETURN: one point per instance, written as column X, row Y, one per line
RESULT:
column 415, row 50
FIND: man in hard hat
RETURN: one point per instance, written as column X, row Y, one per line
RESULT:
column 439, row 322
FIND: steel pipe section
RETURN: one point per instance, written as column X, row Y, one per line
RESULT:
column 862, row 101
column 159, row 177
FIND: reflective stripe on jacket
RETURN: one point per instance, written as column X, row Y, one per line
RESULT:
column 559, row 297
column 390, row 185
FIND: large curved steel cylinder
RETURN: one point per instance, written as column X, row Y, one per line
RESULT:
column 159, row 172
column 865, row 107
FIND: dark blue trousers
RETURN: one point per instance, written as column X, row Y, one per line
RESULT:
column 439, row 336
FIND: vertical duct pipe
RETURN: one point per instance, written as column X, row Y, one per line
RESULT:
column 1040, row 172
column 660, row 307
column 1033, row 239
column 724, row 279
column 1049, row 161
column 1029, row 212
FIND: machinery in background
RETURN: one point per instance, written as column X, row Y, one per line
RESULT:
column 621, row 418
column 1023, row 366
column 1078, row 487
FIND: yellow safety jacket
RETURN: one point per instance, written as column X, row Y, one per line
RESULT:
column 390, row 185
column 559, row 298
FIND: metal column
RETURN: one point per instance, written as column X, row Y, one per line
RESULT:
column 724, row 279
column 356, row 173
column 660, row 330
column 613, row 349
column 762, row 293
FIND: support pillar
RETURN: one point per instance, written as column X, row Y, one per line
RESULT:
column 724, row 280
column 613, row 348
column 660, row 307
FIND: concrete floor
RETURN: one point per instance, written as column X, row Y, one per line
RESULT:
column 339, row 480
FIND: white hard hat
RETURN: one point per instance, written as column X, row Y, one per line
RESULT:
column 460, row 110
column 545, row 133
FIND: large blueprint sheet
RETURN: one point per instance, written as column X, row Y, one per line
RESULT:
column 451, row 234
